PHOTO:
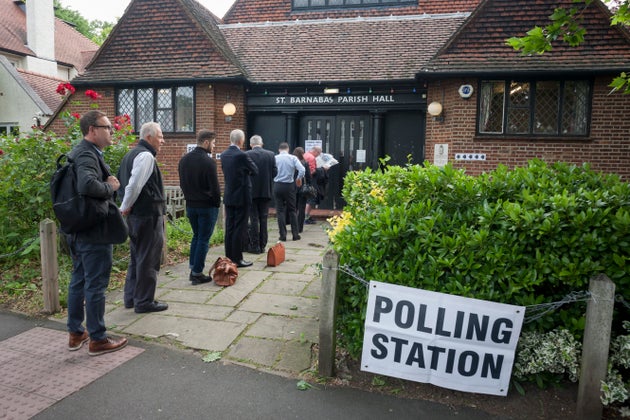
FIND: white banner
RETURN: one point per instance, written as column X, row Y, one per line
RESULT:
column 449, row 341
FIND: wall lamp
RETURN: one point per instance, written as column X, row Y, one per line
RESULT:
column 435, row 110
column 331, row 91
column 229, row 109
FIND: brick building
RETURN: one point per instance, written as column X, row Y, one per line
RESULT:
column 362, row 79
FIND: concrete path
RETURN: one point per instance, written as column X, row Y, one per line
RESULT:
column 267, row 320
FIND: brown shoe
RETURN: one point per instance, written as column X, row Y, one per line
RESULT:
column 106, row 345
column 77, row 340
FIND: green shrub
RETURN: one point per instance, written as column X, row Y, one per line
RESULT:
column 526, row 236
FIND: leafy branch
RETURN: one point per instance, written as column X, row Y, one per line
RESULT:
column 566, row 25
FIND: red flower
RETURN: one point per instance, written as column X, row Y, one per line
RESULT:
column 63, row 87
column 116, row 126
column 76, row 115
column 92, row 94
column 1, row 152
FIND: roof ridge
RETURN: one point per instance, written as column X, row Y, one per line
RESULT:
column 34, row 73
column 344, row 20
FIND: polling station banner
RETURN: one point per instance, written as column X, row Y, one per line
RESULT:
column 449, row 341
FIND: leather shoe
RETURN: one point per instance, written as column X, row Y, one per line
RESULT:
column 106, row 345
column 282, row 238
column 243, row 263
column 196, row 279
column 76, row 340
column 297, row 238
column 154, row 306
column 128, row 305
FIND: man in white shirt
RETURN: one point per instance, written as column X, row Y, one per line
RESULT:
column 144, row 205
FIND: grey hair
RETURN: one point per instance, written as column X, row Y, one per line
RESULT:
column 256, row 140
column 149, row 129
column 236, row 136
column 317, row 149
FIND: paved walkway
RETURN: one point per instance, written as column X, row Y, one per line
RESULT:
column 268, row 319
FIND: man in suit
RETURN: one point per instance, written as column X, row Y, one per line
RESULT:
column 237, row 169
column 262, row 189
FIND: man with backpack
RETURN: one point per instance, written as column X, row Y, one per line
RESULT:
column 92, row 249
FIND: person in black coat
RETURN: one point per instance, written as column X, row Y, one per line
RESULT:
column 199, row 182
column 237, row 170
column 262, row 190
column 92, row 249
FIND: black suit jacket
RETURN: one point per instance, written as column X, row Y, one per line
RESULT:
column 262, row 184
column 237, row 169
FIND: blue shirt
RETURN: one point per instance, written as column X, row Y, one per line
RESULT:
column 287, row 165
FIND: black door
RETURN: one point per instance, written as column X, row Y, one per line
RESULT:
column 347, row 138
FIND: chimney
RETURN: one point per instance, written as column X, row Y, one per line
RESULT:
column 40, row 35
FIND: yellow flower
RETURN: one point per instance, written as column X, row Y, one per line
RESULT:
column 338, row 224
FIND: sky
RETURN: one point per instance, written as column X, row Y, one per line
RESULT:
column 111, row 10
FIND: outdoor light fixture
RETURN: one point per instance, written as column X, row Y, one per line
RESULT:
column 229, row 109
column 435, row 110
column 331, row 91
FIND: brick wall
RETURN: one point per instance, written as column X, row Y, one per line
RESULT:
column 210, row 99
column 607, row 149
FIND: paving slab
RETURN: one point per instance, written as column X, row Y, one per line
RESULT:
column 285, row 328
column 281, row 305
column 195, row 333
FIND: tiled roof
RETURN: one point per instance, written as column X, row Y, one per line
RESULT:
column 479, row 46
column 383, row 48
column 163, row 40
column 244, row 11
column 71, row 48
column 44, row 86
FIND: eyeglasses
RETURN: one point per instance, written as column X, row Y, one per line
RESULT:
column 107, row 127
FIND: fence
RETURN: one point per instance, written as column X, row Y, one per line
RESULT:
column 595, row 346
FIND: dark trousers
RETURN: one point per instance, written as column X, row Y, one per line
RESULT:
column 301, row 210
column 258, row 215
column 235, row 231
column 202, row 221
column 146, row 239
column 91, row 267
column 284, row 194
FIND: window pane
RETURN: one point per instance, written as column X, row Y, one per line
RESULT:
column 300, row 3
column 491, row 107
column 164, row 99
column 144, row 107
column 184, row 109
column 547, row 106
column 518, row 108
column 125, row 105
column 316, row 3
column 165, row 118
column 575, row 108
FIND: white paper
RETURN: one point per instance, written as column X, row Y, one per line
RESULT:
column 449, row 341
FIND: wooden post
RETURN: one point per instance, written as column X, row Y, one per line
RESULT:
column 328, row 310
column 50, row 265
column 599, row 315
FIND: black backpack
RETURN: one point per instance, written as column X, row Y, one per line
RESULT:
column 74, row 211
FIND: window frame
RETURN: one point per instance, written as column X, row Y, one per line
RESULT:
column 531, row 108
column 158, row 108
column 346, row 4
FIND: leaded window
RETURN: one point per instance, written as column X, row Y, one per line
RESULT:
column 534, row 107
column 319, row 4
column 172, row 107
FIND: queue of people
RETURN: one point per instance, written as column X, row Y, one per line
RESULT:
column 251, row 178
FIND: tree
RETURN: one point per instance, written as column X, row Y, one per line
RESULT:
column 96, row 30
column 565, row 26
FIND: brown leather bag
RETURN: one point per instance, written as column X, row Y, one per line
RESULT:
column 224, row 272
column 275, row 255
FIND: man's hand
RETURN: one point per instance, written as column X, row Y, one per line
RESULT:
column 113, row 181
